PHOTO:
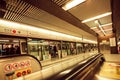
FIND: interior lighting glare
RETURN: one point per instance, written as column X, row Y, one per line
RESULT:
column 72, row 3
column 97, row 17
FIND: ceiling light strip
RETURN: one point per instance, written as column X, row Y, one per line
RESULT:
column 108, row 24
column 100, row 27
column 72, row 3
column 108, row 29
column 97, row 17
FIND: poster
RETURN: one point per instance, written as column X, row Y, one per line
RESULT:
column 112, row 42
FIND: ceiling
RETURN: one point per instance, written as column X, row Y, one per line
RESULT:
column 89, row 9
column 48, row 14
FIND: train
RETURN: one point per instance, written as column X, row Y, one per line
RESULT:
column 42, row 43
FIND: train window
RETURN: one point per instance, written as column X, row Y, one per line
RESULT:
column 24, row 47
column 45, row 50
column 9, row 46
column 73, row 48
column 39, row 49
column 55, row 49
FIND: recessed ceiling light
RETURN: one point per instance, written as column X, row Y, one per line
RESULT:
column 97, row 17
column 72, row 3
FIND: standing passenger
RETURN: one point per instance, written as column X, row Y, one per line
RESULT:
column 55, row 51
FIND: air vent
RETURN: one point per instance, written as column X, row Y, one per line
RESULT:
column 60, row 2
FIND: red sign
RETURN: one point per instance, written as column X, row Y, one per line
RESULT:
column 14, row 31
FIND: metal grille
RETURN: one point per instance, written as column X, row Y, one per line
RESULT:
column 18, row 10
column 60, row 2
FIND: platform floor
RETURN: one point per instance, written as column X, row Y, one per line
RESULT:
column 112, row 57
column 110, row 70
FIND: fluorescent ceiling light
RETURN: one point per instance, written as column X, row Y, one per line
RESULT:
column 72, row 3
column 108, row 30
column 106, row 24
column 97, row 17
column 93, row 28
column 102, row 25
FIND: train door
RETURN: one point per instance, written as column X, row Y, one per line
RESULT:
column 45, row 51
column 54, row 49
column 68, row 48
column 64, row 49
column 72, row 48
column 33, row 48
